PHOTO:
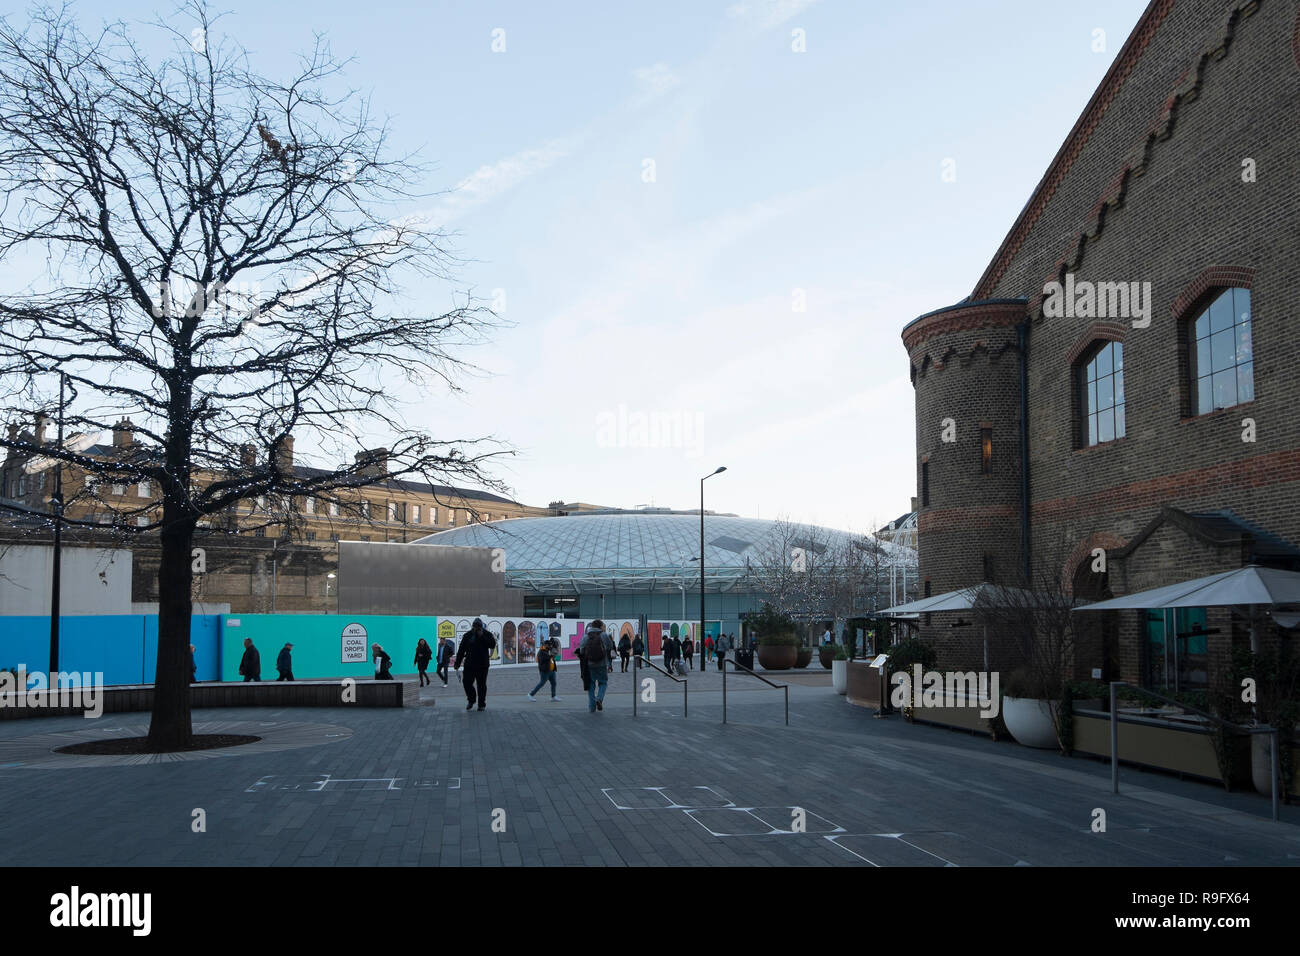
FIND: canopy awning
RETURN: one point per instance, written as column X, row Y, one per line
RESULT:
column 966, row 599
column 1244, row 586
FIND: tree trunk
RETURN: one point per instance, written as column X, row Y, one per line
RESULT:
column 170, row 727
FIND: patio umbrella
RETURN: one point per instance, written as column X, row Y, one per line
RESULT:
column 1251, row 586
column 966, row 599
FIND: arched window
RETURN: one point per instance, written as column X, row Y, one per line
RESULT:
column 1222, row 357
column 1101, row 395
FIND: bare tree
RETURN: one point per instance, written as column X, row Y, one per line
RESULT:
column 1032, row 621
column 221, row 254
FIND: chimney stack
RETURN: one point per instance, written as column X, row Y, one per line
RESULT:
column 123, row 434
column 372, row 461
column 41, row 420
column 284, row 454
column 914, row 503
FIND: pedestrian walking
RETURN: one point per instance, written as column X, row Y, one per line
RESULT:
column 476, row 653
column 667, row 650
column 284, row 663
column 677, row 654
column 708, row 648
column 721, row 647
column 638, row 649
column 383, row 663
column 624, row 651
column 194, row 665
column 688, row 650
column 546, row 666
column 250, row 665
column 598, row 650
column 423, row 654
column 444, row 659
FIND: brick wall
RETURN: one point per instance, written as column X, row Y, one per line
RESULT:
column 1148, row 189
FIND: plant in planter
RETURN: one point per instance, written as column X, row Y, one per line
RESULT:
column 902, row 657
column 840, row 669
column 827, row 653
column 803, row 656
column 777, row 642
column 1032, row 715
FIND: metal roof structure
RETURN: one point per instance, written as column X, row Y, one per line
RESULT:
column 640, row 550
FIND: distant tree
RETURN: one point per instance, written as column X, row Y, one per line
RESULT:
column 217, row 253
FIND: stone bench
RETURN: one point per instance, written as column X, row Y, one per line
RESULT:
column 125, row 698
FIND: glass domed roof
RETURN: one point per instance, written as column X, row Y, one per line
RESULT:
column 641, row 550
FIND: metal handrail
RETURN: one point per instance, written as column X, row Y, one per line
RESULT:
column 636, row 687
column 739, row 666
column 1115, row 720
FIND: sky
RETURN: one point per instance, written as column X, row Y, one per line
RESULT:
column 705, row 224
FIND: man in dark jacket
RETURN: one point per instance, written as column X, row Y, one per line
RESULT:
column 251, row 663
column 444, row 659
column 624, row 652
column 638, row 648
column 284, row 663
column 476, row 654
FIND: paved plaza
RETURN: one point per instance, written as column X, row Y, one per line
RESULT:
column 544, row 783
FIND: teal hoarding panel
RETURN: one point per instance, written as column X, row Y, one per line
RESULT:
column 318, row 641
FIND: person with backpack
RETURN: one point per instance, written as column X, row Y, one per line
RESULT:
column 677, row 655
column 668, row 653
column 688, row 651
column 546, row 666
column 598, row 651
column 638, row 649
column 476, row 654
column 721, row 647
column 423, row 654
column 624, row 651
column 708, row 648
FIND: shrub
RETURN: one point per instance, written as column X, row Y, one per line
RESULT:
column 904, row 654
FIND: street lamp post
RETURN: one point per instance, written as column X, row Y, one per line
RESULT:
column 700, row 637
column 56, row 570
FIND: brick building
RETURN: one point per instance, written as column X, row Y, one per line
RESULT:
column 265, row 554
column 1123, row 375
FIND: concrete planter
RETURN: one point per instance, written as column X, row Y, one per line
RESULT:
column 1261, row 762
column 1030, row 721
column 840, row 676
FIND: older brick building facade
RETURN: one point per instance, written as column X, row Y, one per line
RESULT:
column 1168, row 434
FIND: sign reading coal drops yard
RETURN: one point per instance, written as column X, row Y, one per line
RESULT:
column 355, row 648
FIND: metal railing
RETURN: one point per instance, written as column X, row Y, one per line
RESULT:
column 1275, row 779
column 636, row 684
column 742, row 667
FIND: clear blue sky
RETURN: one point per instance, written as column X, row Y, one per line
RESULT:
column 775, row 171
